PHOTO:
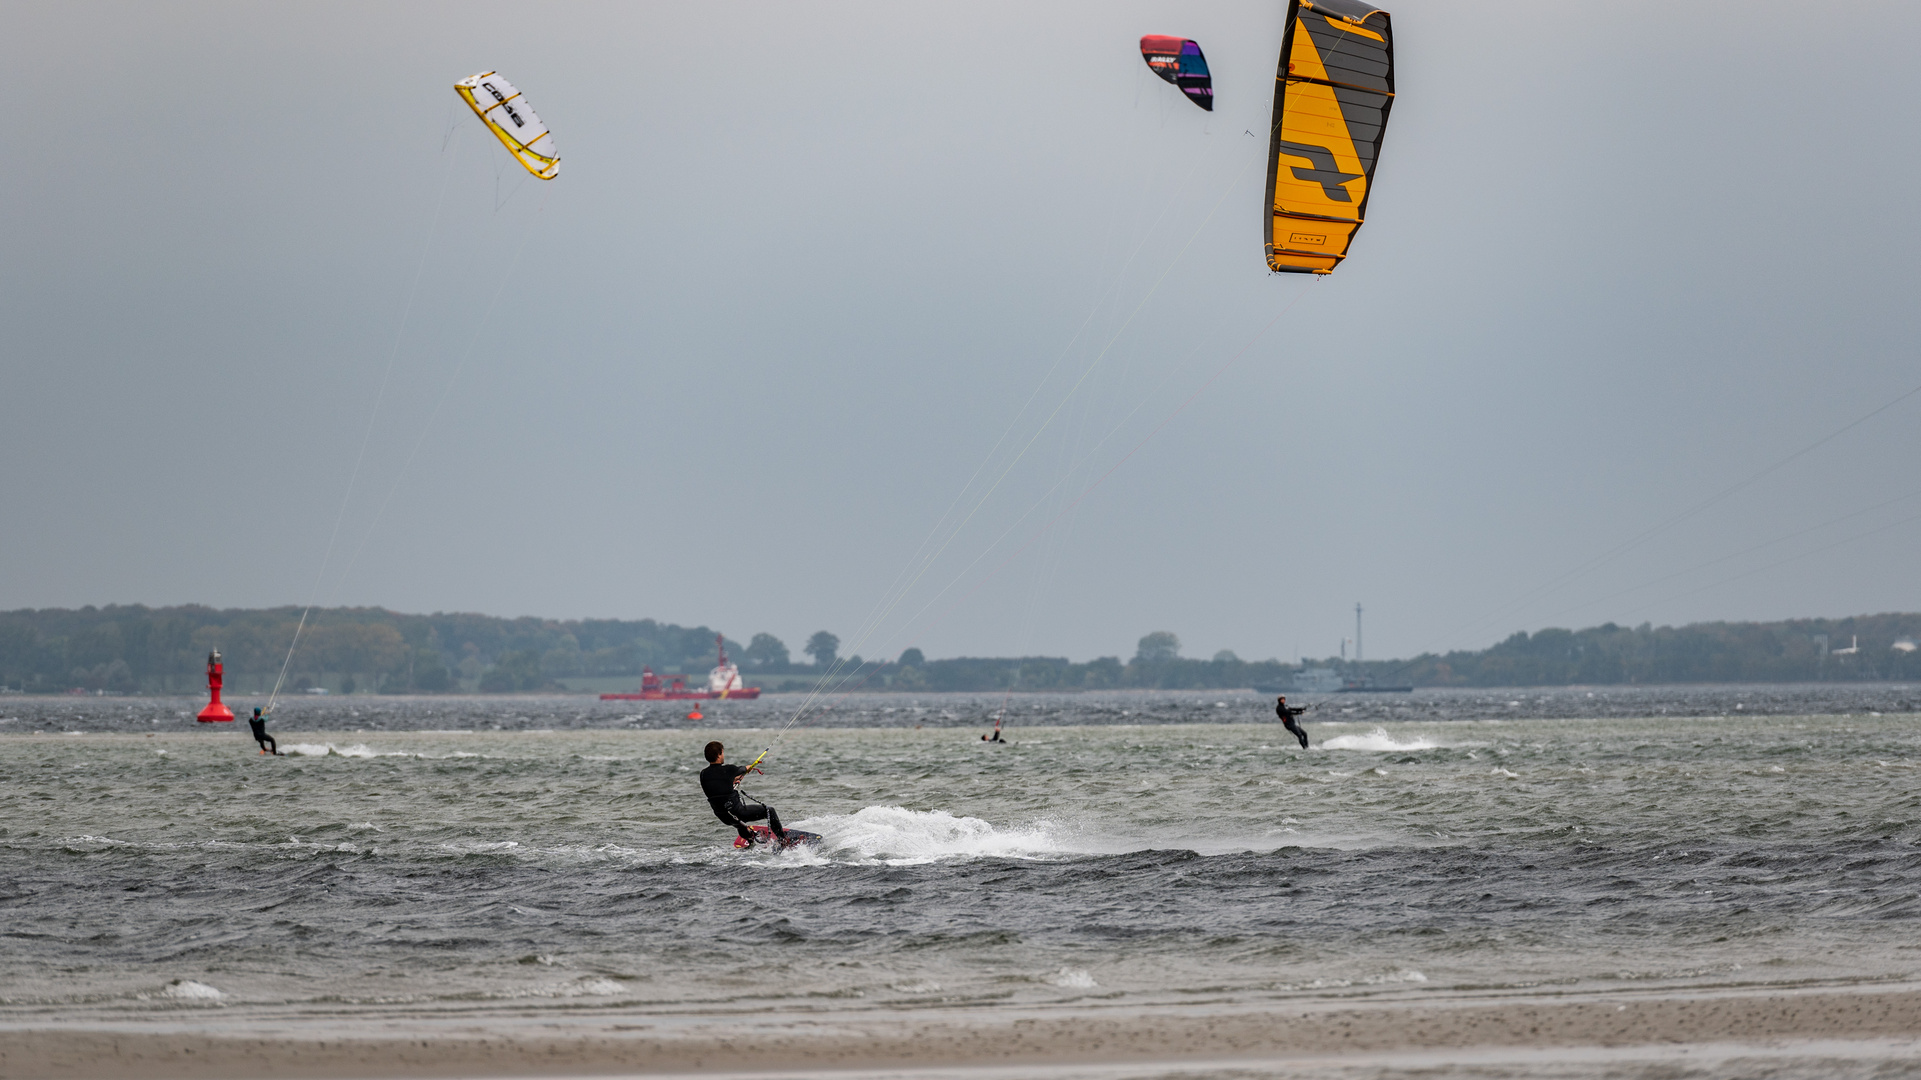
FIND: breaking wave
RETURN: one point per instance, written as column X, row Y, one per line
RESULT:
column 1379, row 741
column 362, row 750
column 897, row 835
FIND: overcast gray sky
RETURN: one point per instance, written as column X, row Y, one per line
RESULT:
column 809, row 266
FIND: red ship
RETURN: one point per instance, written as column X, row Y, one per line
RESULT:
column 722, row 682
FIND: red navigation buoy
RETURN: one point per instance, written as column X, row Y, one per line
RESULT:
column 695, row 715
column 215, row 713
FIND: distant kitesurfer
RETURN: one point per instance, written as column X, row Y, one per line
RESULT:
column 721, row 781
column 1287, row 713
column 259, row 725
column 995, row 737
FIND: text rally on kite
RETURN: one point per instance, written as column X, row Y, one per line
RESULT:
column 1180, row 62
column 1331, row 97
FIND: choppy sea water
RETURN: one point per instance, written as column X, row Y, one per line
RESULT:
column 474, row 854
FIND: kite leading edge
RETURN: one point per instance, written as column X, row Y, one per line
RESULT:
column 507, row 114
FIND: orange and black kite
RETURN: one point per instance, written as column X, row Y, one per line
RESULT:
column 1331, row 97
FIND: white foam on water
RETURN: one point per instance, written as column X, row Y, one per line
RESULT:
column 899, row 836
column 1406, row 975
column 1071, row 979
column 480, row 847
column 586, row 986
column 302, row 844
column 362, row 750
column 189, row 990
column 357, row 750
column 1378, row 741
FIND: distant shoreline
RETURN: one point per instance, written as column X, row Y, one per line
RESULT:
column 135, row 648
column 797, row 689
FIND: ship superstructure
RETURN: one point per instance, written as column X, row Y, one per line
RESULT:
column 722, row 683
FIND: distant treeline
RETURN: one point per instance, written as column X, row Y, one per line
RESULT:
column 1862, row 648
column 137, row 649
column 1145, row 672
column 1797, row 650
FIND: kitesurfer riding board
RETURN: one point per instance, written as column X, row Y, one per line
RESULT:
column 1287, row 713
column 721, row 782
column 259, row 725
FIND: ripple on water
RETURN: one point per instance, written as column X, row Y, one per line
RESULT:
column 1159, row 849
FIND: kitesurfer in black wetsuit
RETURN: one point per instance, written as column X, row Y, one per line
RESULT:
column 1287, row 713
column 720, row 781
column 259, row 725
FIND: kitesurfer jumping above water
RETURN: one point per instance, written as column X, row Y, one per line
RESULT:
column 721, row 781
column 1287, row 713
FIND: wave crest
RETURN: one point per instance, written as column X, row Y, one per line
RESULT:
column 897, row 835
column 1378, row 741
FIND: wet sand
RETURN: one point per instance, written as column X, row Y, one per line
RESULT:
column 1881, row 1022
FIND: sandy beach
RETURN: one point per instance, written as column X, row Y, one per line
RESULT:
column 1882, row 1024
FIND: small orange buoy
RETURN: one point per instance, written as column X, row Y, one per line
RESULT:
column 695, row 715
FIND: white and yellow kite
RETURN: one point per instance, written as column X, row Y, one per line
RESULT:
column 507, row 114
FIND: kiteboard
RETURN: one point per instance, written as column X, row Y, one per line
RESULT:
column 765, row 835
